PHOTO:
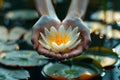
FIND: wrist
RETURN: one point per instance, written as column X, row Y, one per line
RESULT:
column 49, row 17
column 77, row 9
column 74, row 14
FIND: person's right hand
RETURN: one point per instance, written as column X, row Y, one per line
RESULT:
column 84, row 36
column 44, row 21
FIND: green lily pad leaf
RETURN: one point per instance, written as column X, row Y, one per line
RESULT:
column 79, row 60
column 23, row 58
column 70, row 72
column 3, row 33
column 88, row 64
column 19, row 74
column 13, row 74
column 105, row 56
column 27, row 37
column 23, row 14
column 6, row 77
column 16, row 33
column 4, row 47
column 57, row 70
column 73, row 72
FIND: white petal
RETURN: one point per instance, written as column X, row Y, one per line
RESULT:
column 61, row 29
column 69, row 30
column 53, row 30
column 44, row 39
column 74, row 39
column 54, row 50
column 69, row 36
column 75, row 30
column 75, row 44
column 44, row 45
column 61, row 47
column 67, row 44
column 46, row 32
column 55, row 46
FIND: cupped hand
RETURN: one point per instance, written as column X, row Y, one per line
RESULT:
column 84, row 36
column 44, row 21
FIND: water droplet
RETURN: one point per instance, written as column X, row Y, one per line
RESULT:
column 103, row 74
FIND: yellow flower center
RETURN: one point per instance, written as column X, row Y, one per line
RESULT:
column 59, row 38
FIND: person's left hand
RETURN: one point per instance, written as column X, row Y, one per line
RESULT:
column 84, row 36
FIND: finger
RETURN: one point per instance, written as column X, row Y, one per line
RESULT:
column 35, row 37
column 86, row 40
column 73, row 53
column 48, row 53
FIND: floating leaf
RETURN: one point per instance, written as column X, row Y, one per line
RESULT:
column 27, row 37
column 13, row 74
column 105, row 56
column 6, row 77
column 87, row 63
column 22, row 14
column 23, row 58
column 56, row 69
column 19, row 74
column 4, row 47
column 3, row 33
column 74, row 71
column 16, row 33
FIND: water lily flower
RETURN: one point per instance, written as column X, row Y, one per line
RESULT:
column 61, row 40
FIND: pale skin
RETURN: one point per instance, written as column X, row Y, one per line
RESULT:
column 49, row 18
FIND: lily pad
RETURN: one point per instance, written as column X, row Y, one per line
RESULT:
column 105, row 56
column 22, row 14
column 3, row 33
column 16, row 33
column 13, row 74
column 6, row 77
column 4, row 47
column 23, row 58
column 27, row 37
column 67, row 72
